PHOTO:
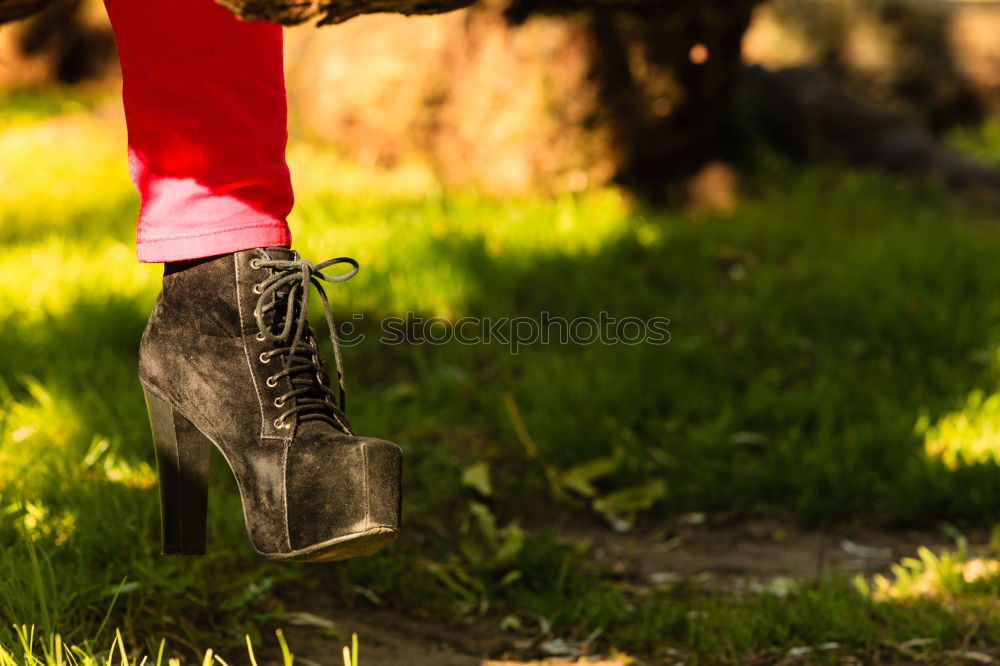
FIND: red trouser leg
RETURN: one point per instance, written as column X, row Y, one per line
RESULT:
column 205, row 105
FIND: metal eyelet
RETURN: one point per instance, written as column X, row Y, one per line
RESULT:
column 279, row 403
column 264, row 358
column 272, row 382
column 255, row 264
column 258, row 289
column 278, row 423
column 260, row 337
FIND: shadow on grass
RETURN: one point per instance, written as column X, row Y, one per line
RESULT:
column 784, row 386
column 792, row 379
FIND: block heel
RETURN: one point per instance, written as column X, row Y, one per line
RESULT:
column 183, row 455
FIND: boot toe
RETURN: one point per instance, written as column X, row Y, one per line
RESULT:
column 342, row 495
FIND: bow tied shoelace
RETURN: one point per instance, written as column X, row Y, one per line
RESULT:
column 311, row 397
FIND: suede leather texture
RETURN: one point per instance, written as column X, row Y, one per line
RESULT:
column 301, row 484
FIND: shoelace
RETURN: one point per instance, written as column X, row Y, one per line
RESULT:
column 289, row 283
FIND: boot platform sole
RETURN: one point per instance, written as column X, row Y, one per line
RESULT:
column 358, row 544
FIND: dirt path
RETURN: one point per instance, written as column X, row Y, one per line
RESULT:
column 390, row 638
column 762, row 554
column 752, row 552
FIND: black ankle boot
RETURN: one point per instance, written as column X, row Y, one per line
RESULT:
column 228, row 359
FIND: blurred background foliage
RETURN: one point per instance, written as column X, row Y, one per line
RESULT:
column 807, row 189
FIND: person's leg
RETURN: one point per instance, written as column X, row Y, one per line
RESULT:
column 205, row 106
column 227, row 358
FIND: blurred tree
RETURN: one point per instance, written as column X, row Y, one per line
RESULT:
column 61, row 33
column 529, row 94
column 562, row 94
column 665, row 73
column 899, row 52
column 12, row 10
column 664, row 68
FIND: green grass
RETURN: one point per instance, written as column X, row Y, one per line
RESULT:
column 834, row 356
column 33, row 649
column 24, row 106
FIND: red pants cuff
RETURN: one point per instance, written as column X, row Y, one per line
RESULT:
column 211, row 243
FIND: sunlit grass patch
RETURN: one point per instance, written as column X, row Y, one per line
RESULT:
column 49, row 277
column 949, row 576
column 968, row 436
column 54, row 170
column 433, row 253
column 37, row 649
column 49, row 447
column 26, row 106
